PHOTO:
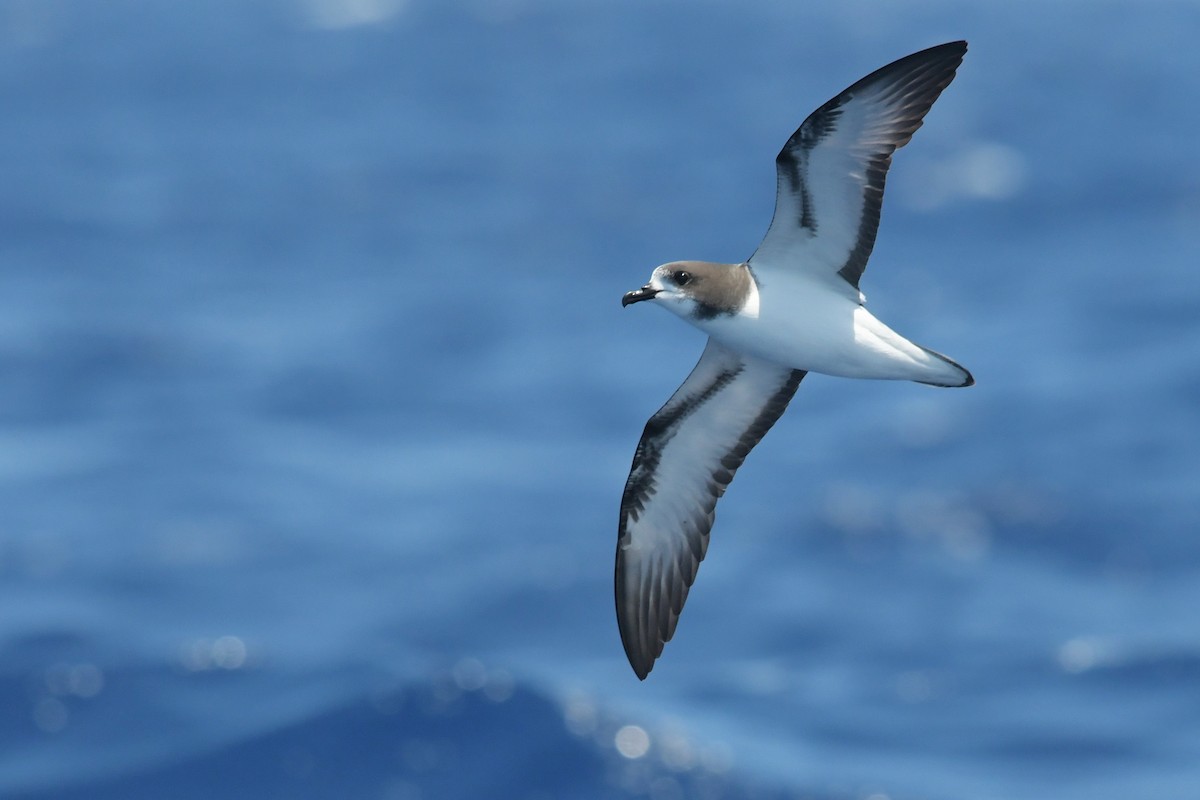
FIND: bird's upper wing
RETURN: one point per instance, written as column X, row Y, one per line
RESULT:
column 688, row 454
column 830, row 174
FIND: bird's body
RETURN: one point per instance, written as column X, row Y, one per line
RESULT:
column 794, row 307
column 806, row 322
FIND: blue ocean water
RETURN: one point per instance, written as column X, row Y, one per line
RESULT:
column 317, row 399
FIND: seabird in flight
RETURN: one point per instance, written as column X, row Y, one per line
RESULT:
column 794, row 307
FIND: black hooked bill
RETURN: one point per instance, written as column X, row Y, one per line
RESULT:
column 638, row 295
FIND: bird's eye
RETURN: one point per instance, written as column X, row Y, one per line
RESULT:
column 681, row 277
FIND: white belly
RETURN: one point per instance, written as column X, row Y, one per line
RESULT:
column 808, row 325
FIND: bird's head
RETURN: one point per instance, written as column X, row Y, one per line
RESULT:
column 696, row 289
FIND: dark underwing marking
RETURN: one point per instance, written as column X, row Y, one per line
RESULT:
column 807, row 220
column 822, row 123
column 659, row 430
column 897, row 96
column 868, row 224
column 918, row 80
column 770, row 413
column 793, row 161
column 648, row 609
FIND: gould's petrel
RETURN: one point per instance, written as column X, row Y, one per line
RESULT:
column 794, row 307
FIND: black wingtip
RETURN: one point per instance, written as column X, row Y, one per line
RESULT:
column 640, row 655
column 638, row 660
column 641, row 667
column 958, row 47
column 944, row 57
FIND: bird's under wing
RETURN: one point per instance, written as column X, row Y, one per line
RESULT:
column 830, row 175
column 687, row 456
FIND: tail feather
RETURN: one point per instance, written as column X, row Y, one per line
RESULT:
column 952, row 374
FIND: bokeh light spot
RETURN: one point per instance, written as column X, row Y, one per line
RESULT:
column 632, row 741
column 229, row 652
column 580, row 716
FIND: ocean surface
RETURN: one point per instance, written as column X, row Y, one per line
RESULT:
column 317, row 400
